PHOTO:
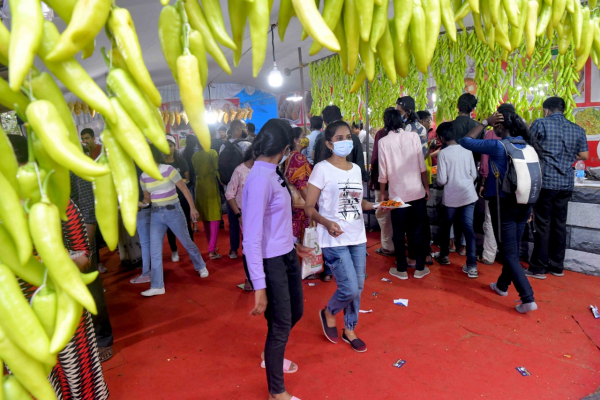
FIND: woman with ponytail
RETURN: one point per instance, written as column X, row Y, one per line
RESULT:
column 337, row 185
column 271, row 253
column 510, row 219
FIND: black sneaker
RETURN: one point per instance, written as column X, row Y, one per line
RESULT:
column 557, row 273
column 530, row 274
column 442, row 260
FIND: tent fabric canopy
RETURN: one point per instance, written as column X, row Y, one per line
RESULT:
column 145, row 14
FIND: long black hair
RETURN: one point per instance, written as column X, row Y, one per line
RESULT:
column 248, row 154
column 517, row 127
column 191, row 145
column 271, row 140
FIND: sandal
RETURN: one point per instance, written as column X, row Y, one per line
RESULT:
column 105, row 353
column 312, row 277
column 215, row 256
column 386, row 253
column 326, row 277
column 287, row 364
column 248, row 286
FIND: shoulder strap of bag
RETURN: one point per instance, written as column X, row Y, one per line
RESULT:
column 496, row 173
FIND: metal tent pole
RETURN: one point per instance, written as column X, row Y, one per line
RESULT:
column 367, row 163
column 301, row 66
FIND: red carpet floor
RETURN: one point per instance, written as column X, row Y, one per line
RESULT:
column 459, row 339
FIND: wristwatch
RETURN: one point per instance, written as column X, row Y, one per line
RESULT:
column 484, row 123
column 238, row 215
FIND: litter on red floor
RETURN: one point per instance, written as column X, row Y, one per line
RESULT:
column 459, row 340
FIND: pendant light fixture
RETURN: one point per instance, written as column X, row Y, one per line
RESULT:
column 275, row 77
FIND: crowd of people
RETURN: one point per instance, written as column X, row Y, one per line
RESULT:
column 291, row 179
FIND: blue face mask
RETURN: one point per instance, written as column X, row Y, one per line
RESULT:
column 403, row 118
column 343, row 148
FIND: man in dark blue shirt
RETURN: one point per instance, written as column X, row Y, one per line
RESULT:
column 508, row 217
column 563, row 143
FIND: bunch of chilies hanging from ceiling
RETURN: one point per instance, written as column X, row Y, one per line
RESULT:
column 35, row 196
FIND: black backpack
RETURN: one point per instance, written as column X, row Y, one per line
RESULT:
column 229, row 159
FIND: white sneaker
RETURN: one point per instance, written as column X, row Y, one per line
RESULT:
column 175, row 256
column 140, row 279
column 153, row 292
column 203, row 273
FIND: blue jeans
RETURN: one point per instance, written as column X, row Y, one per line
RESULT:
column 163, row 218
column 465, row 213
column 348, row 264
column 143, row 228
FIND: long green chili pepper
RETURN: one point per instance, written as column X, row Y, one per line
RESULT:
column 29, row 372
column 214, row 17
column 68, row 314
column 87, row 20
column 46, row 231
column 198, row 21
column 43, row 304
column 132, row 99
column 125, row 179
column 14, row 220
column 12, row 100
column 52, row 132
column 45, row 88
column 133, row 141
column 169, row 32
column 19, row 322
column 107, row 207
column 122, row 27
column 8, row 166
column 73, row 76
column 27, row 24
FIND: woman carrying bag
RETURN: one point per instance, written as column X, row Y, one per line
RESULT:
column 337, row 184
column 269, row 247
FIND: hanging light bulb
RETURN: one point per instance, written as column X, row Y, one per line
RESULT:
column 210, row 116
column 275, row 77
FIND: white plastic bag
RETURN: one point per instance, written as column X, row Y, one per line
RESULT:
column 312, row 265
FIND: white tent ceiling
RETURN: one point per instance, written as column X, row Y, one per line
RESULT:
column 145, row 15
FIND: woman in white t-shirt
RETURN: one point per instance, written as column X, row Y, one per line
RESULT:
column 337, row 184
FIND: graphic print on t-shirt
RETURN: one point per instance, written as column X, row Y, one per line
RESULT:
column 350, row 199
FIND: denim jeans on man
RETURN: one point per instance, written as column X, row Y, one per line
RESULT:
column 513, row 218
column 285, row 306
column 348, row 264
column 465, row 214
column 143, row 230
column 163, row 218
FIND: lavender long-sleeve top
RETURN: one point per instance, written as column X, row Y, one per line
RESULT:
column 267, row 219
